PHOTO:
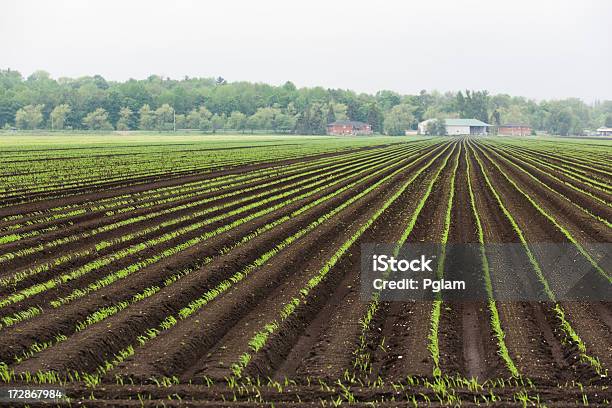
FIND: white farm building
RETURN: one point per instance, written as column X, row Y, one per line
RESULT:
column 604, row 131
column 459, row 127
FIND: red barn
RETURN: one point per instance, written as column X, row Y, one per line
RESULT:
column 349, row 127
column 514, row 129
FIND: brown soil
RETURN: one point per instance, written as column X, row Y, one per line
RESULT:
column 317, row 342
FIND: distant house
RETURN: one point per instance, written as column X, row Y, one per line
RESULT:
column 459, row 126
column 422, row 126
column 514, row 129
column 604, row 131
column 349, row 127
column 466, row 127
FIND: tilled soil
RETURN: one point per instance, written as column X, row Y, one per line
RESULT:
column 310, row 339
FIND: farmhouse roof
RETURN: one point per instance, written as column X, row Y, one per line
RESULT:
column 347, row 122
column 464, row 122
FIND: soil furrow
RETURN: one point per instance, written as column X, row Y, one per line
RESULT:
column 273, row 173
column 327, row 350
column 90, row 244
column 93, row 192
column 536, row 353
column 467, row 338
column 217, row 268
column 227, row 314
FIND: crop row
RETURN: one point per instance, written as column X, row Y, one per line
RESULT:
column 171, row 320
column 323, row 186
column 552, row 220
column 78, row 173
column 184, row 313
column 568, row 171
column 362, row 356
column 103, row 261
column 259, row 340
column 496, row 324
column 564, row 324
column 582, row 159
column 16, row 277
column 433, row 338
column 528, row 168
column 110, row 203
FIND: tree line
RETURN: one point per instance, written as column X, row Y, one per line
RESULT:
column 212, row 104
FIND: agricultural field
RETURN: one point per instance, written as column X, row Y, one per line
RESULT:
column 214, row 270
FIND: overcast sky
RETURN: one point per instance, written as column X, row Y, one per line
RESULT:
column 537, row 48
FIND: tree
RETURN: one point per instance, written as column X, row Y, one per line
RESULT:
column 331, row 116
column 514, row 114
column 8, row 109
column 252, row 123
column 302, row 106
column 164, row 116
column 560, row 122
column 340, row 111
column 97, row 120
column 398, row 120
column 423, row 102
column 237, row 121
column 217, row 122
column 193, row 119
column 147, row 118
column 496, row 118
column 58, row 116
column 352, row 110
column 289, row 86
column 312, row 121
column 10, row 80
column 291, row 110
column 284, row 123
column 263, row 119
column 475, row 104
column 125, row 119
column 181, row 121
column 29, row 117
column 272, row 118
column 205, row 118
column 436, row 127
column 318, row 125
column 375, row 118
column 388, row 99
column 205, row 124
column 205, row 113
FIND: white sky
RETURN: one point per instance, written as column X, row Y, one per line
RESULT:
column 534, row 48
